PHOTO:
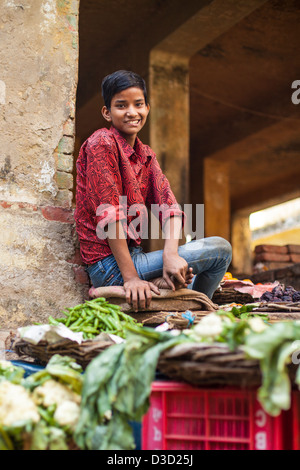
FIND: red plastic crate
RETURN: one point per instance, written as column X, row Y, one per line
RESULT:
column 183, row 417
column 293, row 432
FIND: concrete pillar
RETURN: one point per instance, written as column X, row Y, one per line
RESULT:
column 241, row 244
column 216, row 198
column 169, row 122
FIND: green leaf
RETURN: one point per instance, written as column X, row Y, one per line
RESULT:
column 62, row 368
column 57, row 439
column 40, row 436
column 274, row 348
column 10, row 372
column 5, row 441
column 116, row 389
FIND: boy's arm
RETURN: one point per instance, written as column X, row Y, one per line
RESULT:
column 137, row 291
column 174, row 266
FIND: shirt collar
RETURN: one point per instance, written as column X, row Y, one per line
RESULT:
column 140, row 151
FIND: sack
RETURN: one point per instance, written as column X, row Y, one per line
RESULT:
column 168, row 300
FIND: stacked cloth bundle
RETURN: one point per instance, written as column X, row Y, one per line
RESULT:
column 170, row 306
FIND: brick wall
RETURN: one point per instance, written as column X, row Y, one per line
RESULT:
column 276, row 256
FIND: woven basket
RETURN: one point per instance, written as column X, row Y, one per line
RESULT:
column 205, row 364
column 42, row 352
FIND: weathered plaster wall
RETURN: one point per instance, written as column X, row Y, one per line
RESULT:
column 38, row 79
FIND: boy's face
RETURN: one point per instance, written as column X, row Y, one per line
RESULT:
column 128, row 112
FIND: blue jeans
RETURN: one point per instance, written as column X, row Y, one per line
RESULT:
column 209, row 257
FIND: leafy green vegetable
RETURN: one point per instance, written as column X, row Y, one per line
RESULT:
column 242, row 311
column 271, row 344
column 117, row 386
column 245, row 312
column 222, row 327
column 62, row 368
column 27, row 418
column 234, row 334
column 274, row 348
column 5, row 441
column 10, row 372
column 46, row 437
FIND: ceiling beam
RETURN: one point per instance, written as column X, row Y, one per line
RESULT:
column 268, row 138
column 206, row 25
column 283, row 188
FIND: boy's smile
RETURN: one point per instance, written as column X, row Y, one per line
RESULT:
column 128, row 112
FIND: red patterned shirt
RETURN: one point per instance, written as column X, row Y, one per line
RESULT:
column 116, row 182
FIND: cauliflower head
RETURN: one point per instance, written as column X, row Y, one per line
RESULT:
column 257, row 324
column 6, row 365
column 209, row 326
column 54, row 393
column 67, row 414
column 16, row 405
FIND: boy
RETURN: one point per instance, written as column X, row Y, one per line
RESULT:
column 115, row 166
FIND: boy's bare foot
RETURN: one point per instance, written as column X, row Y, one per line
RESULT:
column 161, row 283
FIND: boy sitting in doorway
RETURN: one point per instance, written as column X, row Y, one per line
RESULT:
column 115, row 166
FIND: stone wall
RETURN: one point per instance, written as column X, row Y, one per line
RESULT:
column 40, row 271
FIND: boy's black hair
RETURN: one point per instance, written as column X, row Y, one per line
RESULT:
column 119, row 81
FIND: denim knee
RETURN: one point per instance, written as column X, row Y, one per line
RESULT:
column 206, row 251
column 224, row 247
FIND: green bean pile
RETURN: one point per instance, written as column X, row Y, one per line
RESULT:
column 94, row 317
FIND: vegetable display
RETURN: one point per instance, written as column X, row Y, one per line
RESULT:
column 275, row 346
column 39, row 412
column 92, row 410
column 95, row 316
column 116, row 390
column 245, row 311
column 117, row 383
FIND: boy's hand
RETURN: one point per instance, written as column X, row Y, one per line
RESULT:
column 138, row 292
column 176, row 272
